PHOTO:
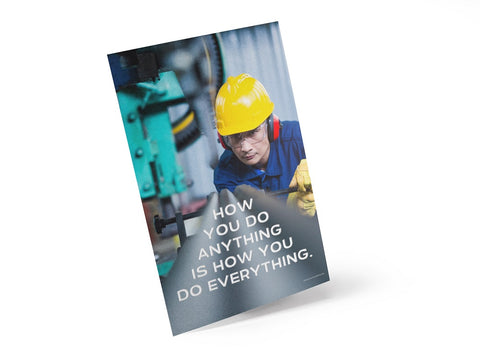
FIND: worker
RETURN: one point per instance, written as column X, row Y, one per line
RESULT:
column 260, row 151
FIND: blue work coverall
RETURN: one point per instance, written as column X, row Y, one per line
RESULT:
column 285, row 155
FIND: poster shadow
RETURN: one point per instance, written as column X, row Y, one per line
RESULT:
column 339, row 287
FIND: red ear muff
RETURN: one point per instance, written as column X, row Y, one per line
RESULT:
column 222, row 142
column 273, row 127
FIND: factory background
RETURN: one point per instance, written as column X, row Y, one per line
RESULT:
column 166, row 94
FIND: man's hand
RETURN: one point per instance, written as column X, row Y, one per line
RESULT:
column 303, row 198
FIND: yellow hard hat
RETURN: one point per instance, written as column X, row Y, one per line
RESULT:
column 242, row 104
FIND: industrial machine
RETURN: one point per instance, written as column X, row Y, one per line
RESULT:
column 166, row 93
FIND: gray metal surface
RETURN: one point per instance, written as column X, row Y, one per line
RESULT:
column 245, row 269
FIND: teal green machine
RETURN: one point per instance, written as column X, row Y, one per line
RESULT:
column 148, row 87
column 144, row 109
column 151, row 140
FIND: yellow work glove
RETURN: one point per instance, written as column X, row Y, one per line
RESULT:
column 303, row 198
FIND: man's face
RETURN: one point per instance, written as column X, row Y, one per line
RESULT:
column 251, row 147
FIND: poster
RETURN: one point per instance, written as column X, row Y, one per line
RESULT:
column 222, row 172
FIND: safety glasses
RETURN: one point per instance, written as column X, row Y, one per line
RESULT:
column 254, row 136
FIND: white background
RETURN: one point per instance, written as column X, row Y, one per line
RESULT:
column 387, row 94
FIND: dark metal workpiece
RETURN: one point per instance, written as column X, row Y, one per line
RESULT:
column 160, row 223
